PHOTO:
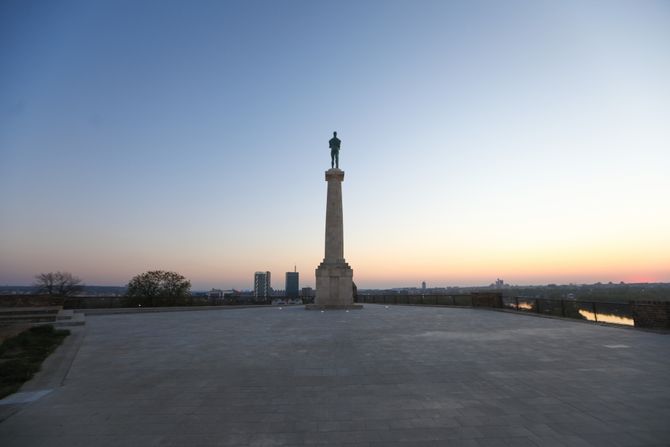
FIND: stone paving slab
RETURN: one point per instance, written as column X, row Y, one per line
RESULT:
column 396, row 376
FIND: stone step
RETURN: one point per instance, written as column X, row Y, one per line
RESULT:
column 15, row 319
column 76, row 319
column 65, row 314
column 41, row 315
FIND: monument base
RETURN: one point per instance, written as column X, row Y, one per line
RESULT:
column 334, row 287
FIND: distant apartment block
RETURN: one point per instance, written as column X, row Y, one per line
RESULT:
column 262, row 285
column 292, row 285
column 307, row 292
column 215, row 293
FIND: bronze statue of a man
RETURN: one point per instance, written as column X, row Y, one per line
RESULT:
column 334, row 144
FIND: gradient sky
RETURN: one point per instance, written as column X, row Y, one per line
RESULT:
column 525, row 140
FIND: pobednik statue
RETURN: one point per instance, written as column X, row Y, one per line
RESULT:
column 334, row 144
column 334, row 277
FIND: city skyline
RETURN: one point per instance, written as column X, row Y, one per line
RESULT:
column 481, row 140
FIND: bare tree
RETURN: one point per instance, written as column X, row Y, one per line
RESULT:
column 58, row 283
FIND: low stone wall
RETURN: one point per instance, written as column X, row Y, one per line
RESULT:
column 484, row 299
column 93, row 302
column 116, row 302
column 30, row 301
column 99, row 302
column 651, row 314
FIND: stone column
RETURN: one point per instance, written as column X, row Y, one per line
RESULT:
column 334, row 223
column 334, row 277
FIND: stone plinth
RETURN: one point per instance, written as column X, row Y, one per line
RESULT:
column 334, row 285
column 334, row 277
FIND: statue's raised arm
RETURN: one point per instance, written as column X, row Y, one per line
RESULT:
column 334, row 145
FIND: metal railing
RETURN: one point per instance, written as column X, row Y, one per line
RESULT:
column 596, row 311
column 460, row 300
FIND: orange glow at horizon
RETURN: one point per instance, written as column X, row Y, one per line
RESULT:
column 589, row 264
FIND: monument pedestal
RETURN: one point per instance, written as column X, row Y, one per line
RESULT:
column 334, row 277
column 334, row 287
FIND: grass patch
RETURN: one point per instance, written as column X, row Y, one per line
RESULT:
column 21, row 356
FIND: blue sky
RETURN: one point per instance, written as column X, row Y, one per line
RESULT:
column 525, row 140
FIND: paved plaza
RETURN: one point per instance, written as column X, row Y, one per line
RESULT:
column 396, row 376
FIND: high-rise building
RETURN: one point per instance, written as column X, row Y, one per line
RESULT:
column 292, row 284
column 262, row 288
column 423, row 286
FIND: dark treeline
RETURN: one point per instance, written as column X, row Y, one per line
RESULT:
column 594, row 292
column 601, row 292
